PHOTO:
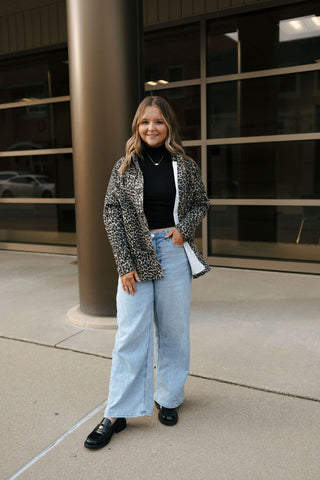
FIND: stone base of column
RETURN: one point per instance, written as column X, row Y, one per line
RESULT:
column 74, row 315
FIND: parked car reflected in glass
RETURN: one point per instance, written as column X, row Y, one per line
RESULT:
column 27, row 186
column 6, row 174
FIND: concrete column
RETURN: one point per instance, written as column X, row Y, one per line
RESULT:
column 106, row 84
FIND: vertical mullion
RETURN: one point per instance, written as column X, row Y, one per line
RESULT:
column 203, row 106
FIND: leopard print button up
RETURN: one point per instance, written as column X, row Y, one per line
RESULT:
column 127, row 226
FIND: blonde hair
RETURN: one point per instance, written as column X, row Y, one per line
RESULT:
column 172, row 141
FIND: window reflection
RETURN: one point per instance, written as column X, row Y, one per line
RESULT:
column 286, row 233
column 172, row 54
column 37, row 176
column 222, row 47
column 222, row 110
column 37, row 223
column 36, row 126
column 299, row 35
column 272, row 38
column 28, row 186
column 186, row 105
column 265, row 170
column 34, row 77
column 283, row 104
column 195, row 154
column 299, row 28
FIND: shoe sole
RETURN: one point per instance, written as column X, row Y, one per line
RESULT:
column 121, row 426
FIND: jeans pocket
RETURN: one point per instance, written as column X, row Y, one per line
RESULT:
column 175, row 245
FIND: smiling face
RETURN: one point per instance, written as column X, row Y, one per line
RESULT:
column 152, row 128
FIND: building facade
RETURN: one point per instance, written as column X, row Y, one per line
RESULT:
column 244, row 79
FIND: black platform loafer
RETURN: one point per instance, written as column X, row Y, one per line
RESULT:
column 101, row 435
column 167, row 416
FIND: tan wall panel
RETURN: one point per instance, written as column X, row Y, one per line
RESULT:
column 179, row 9
column 8, row 7
column 211, row 5
column 62, row 22
column 45, row 26
column 175, row 10
column 224, row 4
column 198, row 7
column 153, row 11
column 54, row 27
column 42, row 25
column 34, row 27
column 12, row 33
column 29, row 30
column 187, row 8
column 237, row 3
column 164, row 11
column 144, row 10
column 4, row 33
column 20, row 26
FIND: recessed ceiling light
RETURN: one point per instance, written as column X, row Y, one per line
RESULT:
column 296, row 24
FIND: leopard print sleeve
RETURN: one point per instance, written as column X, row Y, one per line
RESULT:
column 114, row 225
column 198, row 202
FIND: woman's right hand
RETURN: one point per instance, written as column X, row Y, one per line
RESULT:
column 128, row 282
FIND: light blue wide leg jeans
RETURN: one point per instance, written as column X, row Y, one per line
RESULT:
column 164, row 303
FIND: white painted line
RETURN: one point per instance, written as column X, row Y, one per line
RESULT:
column 56, row 442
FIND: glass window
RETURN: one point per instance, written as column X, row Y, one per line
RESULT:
column 286, row 233
column 274, row 105
column 35, row 126
column 222, row 47
column 185, row 101
column 172, row 54
column 37, row 223
column 299, row 35
column 265, row 170
column 195, row 154
column 34, row 77
column 37, row 176
column 222, row 111
column 281, row 37
column 5, row 175
column 270, row 38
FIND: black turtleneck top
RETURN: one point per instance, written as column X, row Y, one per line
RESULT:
column 159, row 188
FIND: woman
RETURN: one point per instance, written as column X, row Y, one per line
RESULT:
column 154, row 202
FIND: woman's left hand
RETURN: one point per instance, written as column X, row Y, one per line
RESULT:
column 177, row 238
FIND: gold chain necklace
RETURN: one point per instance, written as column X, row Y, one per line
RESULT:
column 155, row 163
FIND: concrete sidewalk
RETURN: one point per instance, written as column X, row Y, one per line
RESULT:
column 252, row 397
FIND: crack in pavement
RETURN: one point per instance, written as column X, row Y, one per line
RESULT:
column 195, row 375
